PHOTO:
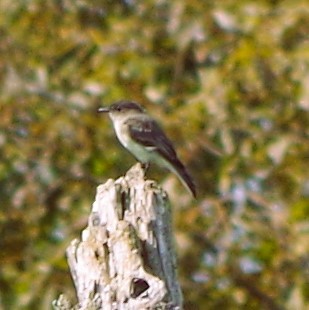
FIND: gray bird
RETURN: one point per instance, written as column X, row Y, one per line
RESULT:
column 142, row 136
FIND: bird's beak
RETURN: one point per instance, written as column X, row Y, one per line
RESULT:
column 103, row 110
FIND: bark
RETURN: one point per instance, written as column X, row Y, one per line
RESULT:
column 125, row 258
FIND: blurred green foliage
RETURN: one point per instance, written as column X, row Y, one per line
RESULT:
column 235, row 73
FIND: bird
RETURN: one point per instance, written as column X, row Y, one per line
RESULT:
column 141, row 135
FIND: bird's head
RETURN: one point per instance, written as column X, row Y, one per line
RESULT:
column 123, row 107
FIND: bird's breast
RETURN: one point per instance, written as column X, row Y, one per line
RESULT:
column 140, row 152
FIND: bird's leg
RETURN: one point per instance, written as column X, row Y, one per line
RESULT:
column 145, row 166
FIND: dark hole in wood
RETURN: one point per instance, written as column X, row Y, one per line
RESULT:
column 138, row 287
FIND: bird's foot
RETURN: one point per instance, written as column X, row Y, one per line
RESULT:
column 145, row 167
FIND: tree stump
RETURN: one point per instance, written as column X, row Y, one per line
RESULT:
column 125, row 258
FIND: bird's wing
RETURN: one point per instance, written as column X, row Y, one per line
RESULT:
column 148, row 133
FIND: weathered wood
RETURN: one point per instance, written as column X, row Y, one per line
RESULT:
column 125, row 258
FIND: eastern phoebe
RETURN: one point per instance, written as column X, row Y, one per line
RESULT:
column 142, row 136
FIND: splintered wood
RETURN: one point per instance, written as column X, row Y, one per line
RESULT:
column 125, row 258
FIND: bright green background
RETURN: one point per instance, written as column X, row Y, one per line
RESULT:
column 234, row 73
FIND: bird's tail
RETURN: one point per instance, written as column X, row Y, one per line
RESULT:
column 179, row 169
